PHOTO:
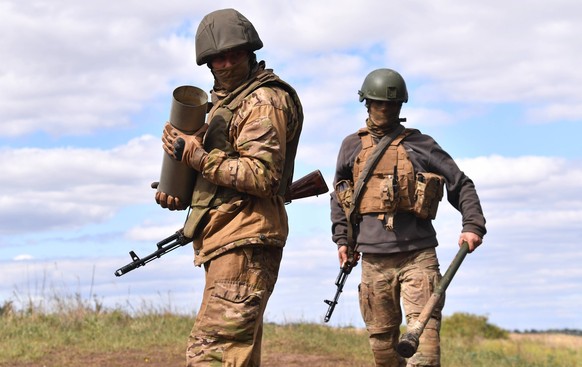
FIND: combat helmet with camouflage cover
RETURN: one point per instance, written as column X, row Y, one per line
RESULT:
column 224, row 30
column 384, row 85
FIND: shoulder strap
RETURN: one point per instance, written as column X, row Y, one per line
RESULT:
column 217, row 134
column 368, row 168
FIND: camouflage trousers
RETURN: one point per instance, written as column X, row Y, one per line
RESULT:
column 387, row 278
column 229, row 325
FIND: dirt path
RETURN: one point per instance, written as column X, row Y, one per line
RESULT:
column 164, row 359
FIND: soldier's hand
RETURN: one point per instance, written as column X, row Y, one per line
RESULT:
column 472, row 239
column 344, row 257
column 184, row 147
column 169, row 201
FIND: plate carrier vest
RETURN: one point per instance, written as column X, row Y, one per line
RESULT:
column 208, row 195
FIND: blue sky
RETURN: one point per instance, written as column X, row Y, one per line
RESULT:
column 85, row 90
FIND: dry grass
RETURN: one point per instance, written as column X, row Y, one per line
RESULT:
column 552, row 340
column 81, row 333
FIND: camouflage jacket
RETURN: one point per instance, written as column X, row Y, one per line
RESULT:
column 251, row 143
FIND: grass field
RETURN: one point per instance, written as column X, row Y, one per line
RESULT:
column 78, row 333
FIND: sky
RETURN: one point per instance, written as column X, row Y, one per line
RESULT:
column 85, row 89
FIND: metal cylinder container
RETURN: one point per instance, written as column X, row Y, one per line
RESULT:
column 187, row 114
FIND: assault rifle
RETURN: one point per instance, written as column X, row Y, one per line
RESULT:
column 312, row 184
column 339, row 282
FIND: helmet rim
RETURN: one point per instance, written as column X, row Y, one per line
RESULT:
column 384, row 85
column 225, row 30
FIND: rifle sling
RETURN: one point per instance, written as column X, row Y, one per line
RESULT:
column 368, row 168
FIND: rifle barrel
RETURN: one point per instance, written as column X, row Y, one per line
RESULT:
column 164, row 246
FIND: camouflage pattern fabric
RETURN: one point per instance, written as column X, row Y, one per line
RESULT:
column 229, row 325
column 238, row 220
column 245, row 183
column 386, row 279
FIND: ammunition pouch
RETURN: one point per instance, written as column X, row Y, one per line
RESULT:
column 390, row 187
column 391, row 200
column 393, row 187
column 344, row 191
column 428, row 192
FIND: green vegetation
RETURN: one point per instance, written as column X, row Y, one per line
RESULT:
column 471, row 327
column 77, row 332
column 469, row 340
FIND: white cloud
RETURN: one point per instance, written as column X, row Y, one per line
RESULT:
column 23, row 257
column 529, row 182
column 73, row 68
column 70, row 187
column 151, row 232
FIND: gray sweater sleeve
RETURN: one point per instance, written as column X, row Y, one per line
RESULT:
column 428, row 156
column 350, row 148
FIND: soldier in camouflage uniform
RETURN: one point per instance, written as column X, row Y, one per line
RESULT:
column 393, row 228
column 238, row 220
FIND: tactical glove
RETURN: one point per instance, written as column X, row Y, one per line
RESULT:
column 185, row 148
column 169, row 201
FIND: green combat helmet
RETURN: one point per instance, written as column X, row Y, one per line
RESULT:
column 224, row 30
column 384, row 85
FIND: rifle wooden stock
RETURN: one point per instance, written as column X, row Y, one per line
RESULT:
column 408, row 343
column 311, row 184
